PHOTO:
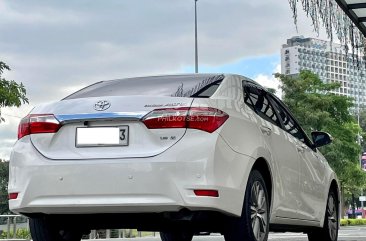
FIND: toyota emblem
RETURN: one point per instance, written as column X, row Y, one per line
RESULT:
column 102, row 105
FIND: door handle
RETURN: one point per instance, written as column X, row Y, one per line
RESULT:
column 266, row 130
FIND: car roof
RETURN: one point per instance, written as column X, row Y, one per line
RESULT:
column 198, row 75
column 178, row 76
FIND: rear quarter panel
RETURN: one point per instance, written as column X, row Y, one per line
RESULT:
column 240, row 132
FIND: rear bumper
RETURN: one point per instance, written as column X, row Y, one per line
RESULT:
column 197, row 221
column 163, row 183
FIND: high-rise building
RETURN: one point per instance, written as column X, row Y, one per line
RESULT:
column 327, row 60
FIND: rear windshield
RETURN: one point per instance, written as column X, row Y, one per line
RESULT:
column 200, row 86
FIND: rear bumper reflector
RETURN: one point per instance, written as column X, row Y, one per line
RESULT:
column 13, row 196
column 206, row 193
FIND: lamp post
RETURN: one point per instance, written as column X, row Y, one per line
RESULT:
column 359, row 138
column 196, row 41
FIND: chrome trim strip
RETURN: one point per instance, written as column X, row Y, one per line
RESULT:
column 64, row 119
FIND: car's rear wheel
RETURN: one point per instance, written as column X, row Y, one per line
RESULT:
column 176, row 236
column 253, row 225
column 43, row 229
column 329, row 232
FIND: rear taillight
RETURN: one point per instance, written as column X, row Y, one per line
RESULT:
column 206, row 119
column 13, row 196
column 35, row 123
column 202, row 118
column 166, row 118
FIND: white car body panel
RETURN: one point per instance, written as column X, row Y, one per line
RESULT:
column 286, row 164
column 143, row 142
column 161, row 183
column 313, row 184
column 152, row 174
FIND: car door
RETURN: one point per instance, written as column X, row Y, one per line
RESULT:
column 312, row 184
column 285, row 158
column 312, row 178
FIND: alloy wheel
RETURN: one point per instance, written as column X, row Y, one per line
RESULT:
column 332, row 218
column 259, row 211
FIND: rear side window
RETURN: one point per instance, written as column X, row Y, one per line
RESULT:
column 208, row 91
column 256, row 99
column 289, row 124
column 201, row 86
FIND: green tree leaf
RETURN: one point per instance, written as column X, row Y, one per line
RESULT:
column 4, row 177
column 11, row 93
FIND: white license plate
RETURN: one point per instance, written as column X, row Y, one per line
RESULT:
column 102, row 136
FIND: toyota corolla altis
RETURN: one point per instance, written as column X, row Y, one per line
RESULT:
column 179, row 154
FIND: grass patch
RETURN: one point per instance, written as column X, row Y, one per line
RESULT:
column 21, row 233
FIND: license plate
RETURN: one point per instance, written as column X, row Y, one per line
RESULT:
column 102, row 136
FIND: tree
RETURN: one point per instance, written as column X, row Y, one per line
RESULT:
column 4, row 177
column 11, row 93
column 317, row 109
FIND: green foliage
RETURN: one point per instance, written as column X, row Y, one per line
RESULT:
column 11, row 93
column 4, row 177
column 353, row 222
column 344, row 222
column 21, row 233
column 317, row 109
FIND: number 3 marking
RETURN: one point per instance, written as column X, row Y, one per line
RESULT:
column 122, row 137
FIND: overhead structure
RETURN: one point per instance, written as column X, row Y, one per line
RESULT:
column 195, row 37
column 356, row 11
column 342, row 19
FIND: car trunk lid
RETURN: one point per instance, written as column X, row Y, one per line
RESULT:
column 87, row 132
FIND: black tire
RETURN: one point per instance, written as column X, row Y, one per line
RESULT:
column 253, row 225
column 176, row 236
column 43, row 229
column 329, row 232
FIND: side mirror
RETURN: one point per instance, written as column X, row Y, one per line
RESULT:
column 321, row 138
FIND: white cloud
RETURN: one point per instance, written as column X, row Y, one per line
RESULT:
column 269, row 81
column 56, row 47
column 41, row 15
column 5, row 148
column 9, row 128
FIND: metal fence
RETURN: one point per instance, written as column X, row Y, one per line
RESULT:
column 16, row 227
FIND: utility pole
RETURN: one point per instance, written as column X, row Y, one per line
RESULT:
column 359, row 138
column 196, row 36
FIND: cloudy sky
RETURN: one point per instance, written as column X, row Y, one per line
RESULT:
column 57, row 47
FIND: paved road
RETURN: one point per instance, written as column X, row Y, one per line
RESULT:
column 345, row 234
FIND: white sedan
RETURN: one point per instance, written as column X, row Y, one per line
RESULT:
column 180, row 154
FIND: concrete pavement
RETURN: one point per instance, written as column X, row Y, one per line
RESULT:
column 357, row 233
